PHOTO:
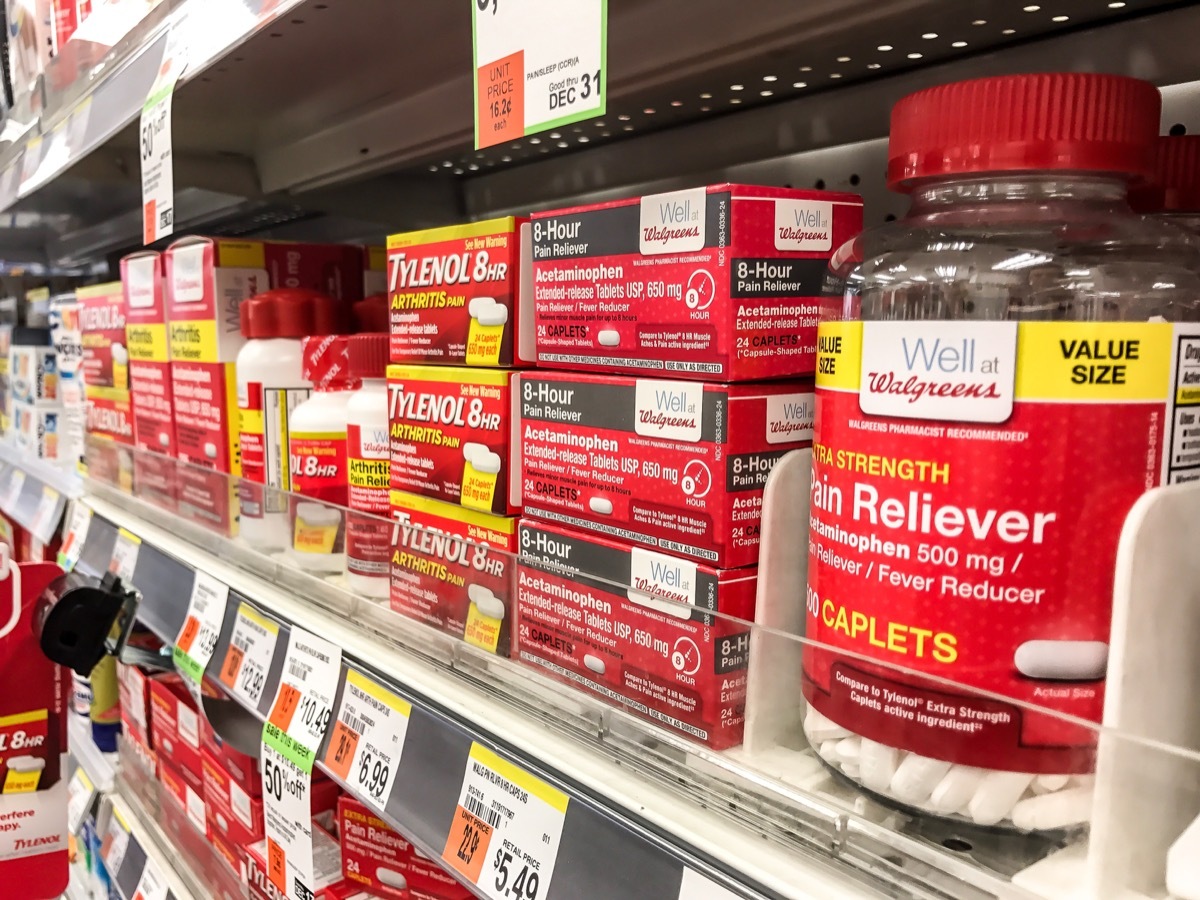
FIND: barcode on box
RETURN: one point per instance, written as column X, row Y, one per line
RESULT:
column 476, row 808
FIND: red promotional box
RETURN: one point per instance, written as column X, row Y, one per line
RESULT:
column 716, row 283
column 102, row 322
column 232, row 812
column 676, row 465
column 133, row 688
column 187, row 790
column 328, row 883
column 149, row 351
column 460, row 295
column 175, row 724
column 444, row 571
column 451, row 435
column 656, row 647
column 242, row 769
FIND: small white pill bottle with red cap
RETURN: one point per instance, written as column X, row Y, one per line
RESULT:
column 270, row 385
column 319, row 466
column 996, row 387
column 368, row 535
column 1173, row 192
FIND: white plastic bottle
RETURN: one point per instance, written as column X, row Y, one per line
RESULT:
column 270, row 385
column 318, row 458
column 368, row 537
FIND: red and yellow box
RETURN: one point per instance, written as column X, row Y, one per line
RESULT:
column 458, row 294
column 175, row 724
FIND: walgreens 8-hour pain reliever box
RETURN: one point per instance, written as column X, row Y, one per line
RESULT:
column 676, row 465
column 452, row 568
column 460, row 295
column 451, row 435
column 716, row 284
column 654, row 646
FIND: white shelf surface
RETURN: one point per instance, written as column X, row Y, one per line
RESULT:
column 100, row 767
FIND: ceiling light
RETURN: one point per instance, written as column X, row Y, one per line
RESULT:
column 874, row 66
column 583, row 139
column 979, row 22
column 843, row 59
column 959, row 44
column 623, row 118
column 737, row 87
column 835, row 74
column 677, row 103
column 1009, row 31
column 706, row 96
column 770, row 78
column 1032, row 8
column 535, row 140
column 474, row 167
column 884, row 48
column 504, row 159
column 799, row 84
column 806, row 68
column 1060, row 18
column 1116, row 5
column 765, row 93
column 649, row 110
column 929, row 35
column 554, row 135
column 735, row 100
column 562, row 143
column 914, row 56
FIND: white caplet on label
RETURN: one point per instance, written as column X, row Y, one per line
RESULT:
column 595, row 664
column 318, row 514
column 24, row 764
column 163, row 438
column 608, row 337
column 487, row 464
column 472, row 449
column 601, row 505
column 210, row 450
column 478, row 305
column 391, row 878
column 120, row 354
column 1062, row 660
column 494, row 315
column 489, row 605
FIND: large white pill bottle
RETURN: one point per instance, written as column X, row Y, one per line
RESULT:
column 997, row 385
column 368, row 535
column 270, row 385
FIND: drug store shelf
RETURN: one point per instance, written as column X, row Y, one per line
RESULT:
column 668, row 846
column 133, row 842
column 98, row 766
column 34, row 494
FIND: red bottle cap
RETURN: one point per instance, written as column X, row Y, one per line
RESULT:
column 1175, row 185
column 368, row 355
column 1024, row 123
column 326, row 363
column 288, row 313
column 371, row 314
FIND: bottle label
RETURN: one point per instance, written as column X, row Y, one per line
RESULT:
column 368, row 538
column 264, row 413
column 970, row 481
column 318, row 464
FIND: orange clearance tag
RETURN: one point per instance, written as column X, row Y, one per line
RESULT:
column 501, row 98
column 467, row 845
column 233, row 665
column 285, row 706
column 191, row 628
column 341, row 750
column 149, row 221
column 277, row 866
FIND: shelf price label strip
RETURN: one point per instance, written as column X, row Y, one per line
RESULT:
column 201, row 626
column 506, row 829
column 125, row 555
column 292, row 734
column 76, row 536
column 368, row 739
column 80, row 795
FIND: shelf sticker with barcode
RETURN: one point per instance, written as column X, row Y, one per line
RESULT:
column 76, row 536
column 115, row 843
column 304, row 700
column 152, row 885
column 16, row 484
column 506, row 828
column 696, row 887
column 287, row 814
column 368, row 738
column 125, row 555
column 158, row 174
column 45, row 519
column 201, row 626
column 248, row 659
column 80, row 793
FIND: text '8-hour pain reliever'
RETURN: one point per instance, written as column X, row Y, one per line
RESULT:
column 990, row 408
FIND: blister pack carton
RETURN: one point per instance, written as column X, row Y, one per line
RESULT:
column 636, row 626
column 715, row 283
column 675, row 465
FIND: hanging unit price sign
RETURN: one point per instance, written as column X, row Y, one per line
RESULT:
column 368, row 738
column 152, row 885
column 506, row 829
column 115, row 843
column 291, row 736
column 45, row 519
column 202, row 626
column 158, row 165
column 248, row 659
column 539, row 64
column 80, row 793
column 16, row 484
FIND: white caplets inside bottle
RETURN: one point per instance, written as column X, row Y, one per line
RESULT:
column 1020, row 800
